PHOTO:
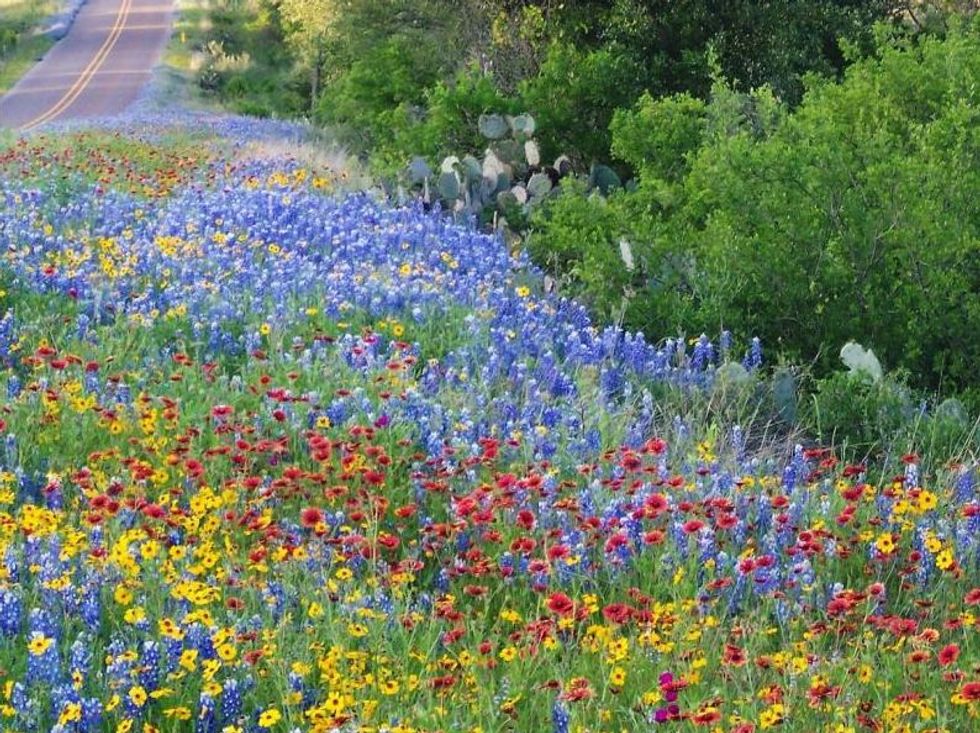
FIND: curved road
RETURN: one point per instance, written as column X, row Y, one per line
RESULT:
column 98, row 69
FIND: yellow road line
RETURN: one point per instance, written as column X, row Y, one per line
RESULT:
column 88, row 72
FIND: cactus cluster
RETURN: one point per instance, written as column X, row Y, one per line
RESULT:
column 503, row 188
column 505, row 185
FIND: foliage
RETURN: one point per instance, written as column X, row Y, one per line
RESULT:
column 448, row 124
column 850, row 218
column 277, row 458
column 574, row 96
column 883, row 419
column 246, row 63
column 382, row 60
column 21, row 41
column 656, row 136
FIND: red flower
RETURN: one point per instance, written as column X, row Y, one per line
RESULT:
column 557, row 552
column 561, row 604
column 525, row 519
column 615, row 541
column 631, row 461
column 972, row 597
column 154, row 511
column 733, row 655
column 388, row 541
column 656, row 504
column 578, row 689
column 948, row 654
column 653, row 537
column 444, row 682
column 617, row 613
column 310, row 517
column 375, row 478
column 692, row 525
column 708, row 716
column 971, row 691
column 656, row 446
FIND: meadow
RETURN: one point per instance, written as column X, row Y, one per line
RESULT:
column 21, row 38
column 279, row 455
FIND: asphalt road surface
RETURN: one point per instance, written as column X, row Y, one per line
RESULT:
column 96, row 70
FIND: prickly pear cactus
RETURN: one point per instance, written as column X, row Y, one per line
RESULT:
column 510, row 180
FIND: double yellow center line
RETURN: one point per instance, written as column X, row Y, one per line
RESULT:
column 88, row 72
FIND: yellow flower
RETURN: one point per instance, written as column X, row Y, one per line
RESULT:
column 71, row 713
column 213, row 688
column 188, row 659
column 945, row 560
column 265, row 329
column 334, row 704
column 927, row 501
column 865, row 673
column 39, row 644
column 227, row 652
column 771, row 717
column 137, row 695
column 134, row 615
column 269, row 718
column 617, row 677
column 357, row 630
column 885, row 544
column 390, row 687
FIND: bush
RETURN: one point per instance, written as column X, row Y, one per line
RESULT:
column 369, row 96
column 575, row 95
column 852, row 217
column 857, row 414
column 885, row 419
column 577, row 236
column 449, row 121
column 656, row 136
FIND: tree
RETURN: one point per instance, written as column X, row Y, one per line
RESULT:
column 308, row 25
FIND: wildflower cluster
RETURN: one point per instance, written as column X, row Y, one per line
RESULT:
column 274, row 459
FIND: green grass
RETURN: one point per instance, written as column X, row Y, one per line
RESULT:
column 231, row 55
column 21, row 42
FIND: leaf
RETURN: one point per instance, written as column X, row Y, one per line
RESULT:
column 493, row 126
column 532, row 153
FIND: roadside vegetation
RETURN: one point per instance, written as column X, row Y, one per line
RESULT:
column 634, row 390
column 21, row 39
column 798, row 172
column 278, row 456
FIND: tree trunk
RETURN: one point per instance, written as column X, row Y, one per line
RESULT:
column 318, row 60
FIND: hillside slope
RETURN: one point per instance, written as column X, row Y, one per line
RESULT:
column 279, row 455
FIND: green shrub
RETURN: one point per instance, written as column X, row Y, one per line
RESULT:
column 885, row 419
column 577, row 236
column 852, row 217
column 574, row 97
column 656, row 136
column 857, row 414
column 449, row 121
column 378, row 87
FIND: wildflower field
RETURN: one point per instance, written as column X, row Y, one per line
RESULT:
column 276, row 456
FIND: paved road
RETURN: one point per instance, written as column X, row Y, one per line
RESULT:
column 97, row 69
